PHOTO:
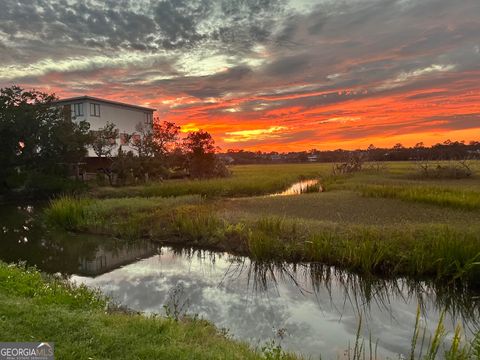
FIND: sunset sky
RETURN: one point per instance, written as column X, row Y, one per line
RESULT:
column 262, row 74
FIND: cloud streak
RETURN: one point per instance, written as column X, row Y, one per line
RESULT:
column 262, row 74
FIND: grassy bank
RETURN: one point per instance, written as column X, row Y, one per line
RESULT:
column 38, row 308
column 35, row 308
column 417, row 249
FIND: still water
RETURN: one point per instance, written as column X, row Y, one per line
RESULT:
column 300, row 188
column 307, row 308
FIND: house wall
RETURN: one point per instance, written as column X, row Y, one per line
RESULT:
column 125, row 119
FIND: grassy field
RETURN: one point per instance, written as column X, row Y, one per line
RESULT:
column 34, row 308
column 246, row 180
column 389, row 223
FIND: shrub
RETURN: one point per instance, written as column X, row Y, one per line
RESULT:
column 68, row 212
column 452, row 170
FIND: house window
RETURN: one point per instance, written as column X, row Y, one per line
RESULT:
column 78, row 109
column 148, row 119
column 95, row 110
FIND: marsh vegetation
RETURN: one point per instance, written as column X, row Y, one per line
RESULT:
column 383, row 222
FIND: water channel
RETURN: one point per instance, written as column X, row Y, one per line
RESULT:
column 308, row 308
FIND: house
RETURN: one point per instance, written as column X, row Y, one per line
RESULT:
column 312, row 158
column 99, row 111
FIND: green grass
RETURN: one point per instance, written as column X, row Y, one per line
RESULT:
column 372, row 222
column 349, row 208
column 247, row 180
column 457, row 198
column 36, row 308
column 123, row 216
column 400, row 181
column 397, row 180
column 418, row 249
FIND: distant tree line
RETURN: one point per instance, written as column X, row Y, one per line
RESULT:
column 448, row 150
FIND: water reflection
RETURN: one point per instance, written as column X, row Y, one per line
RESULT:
column 316, row 307
column 24, row 237
column 302, row 187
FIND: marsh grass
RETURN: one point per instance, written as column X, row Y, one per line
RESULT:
column 456, row 198
column 419, row 250
column 68, row 212
column 247, row 180
column 436, row 347
column 119, row 216
column 395, row 180
column 196, row 224
column 458, row 348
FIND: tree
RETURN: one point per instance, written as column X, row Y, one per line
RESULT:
column 37, row 137
column 199, row 147
column 104, row 140
column 142, row 141
column 156, row 141
column 165, row 137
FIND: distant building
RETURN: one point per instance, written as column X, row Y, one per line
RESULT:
column 98, row 112
column 228, row 160
column 276, row 157
column 312, row 158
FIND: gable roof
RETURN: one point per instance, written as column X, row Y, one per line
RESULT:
column 92, row 98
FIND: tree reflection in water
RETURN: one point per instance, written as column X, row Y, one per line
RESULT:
column 359, row 292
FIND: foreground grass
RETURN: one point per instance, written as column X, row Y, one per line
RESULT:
column 446, row 252
column 38, row 308
column 34, row 308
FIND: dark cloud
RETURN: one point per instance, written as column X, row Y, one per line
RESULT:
column 287, row 65
column 139, row 25
column 428, row 95
column 458, row 121
column 178, row 21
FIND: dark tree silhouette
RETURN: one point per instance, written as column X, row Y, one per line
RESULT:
column 200, row 149
column 38, row 140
